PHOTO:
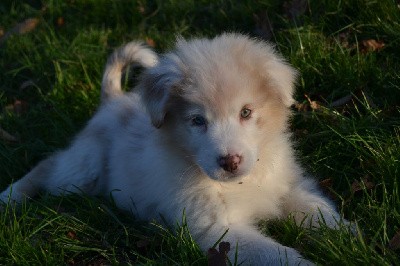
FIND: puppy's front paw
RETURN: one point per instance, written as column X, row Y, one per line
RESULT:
column 267, row 255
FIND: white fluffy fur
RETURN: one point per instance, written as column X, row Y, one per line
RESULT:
column 144, row 149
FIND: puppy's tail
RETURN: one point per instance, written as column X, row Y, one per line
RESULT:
column 133, row 52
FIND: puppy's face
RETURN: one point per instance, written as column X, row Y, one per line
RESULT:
column 221, row 101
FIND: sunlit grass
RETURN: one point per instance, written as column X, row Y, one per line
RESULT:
column 55, row 71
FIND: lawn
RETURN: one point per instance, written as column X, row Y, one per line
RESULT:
column 346, row 122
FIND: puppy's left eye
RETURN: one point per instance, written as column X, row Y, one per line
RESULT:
column 198, row 120
column 245, row 113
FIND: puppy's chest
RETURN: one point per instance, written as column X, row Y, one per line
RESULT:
column 250, row 201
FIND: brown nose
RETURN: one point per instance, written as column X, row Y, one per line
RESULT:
column 229, row 162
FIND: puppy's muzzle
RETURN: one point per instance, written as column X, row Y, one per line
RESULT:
column 230, row 163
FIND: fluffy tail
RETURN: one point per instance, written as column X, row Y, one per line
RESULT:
column 133, row 52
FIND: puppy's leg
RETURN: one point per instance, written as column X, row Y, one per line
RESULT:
column 253, row 247
column 308, row 207
column 29, row 185
column 75, row 169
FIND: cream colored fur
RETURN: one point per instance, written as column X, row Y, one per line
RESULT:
column 159, row 150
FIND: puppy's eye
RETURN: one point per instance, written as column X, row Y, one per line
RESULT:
column 198, row 121
column 245, row 113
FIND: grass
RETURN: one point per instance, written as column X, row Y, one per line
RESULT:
column 50, row 80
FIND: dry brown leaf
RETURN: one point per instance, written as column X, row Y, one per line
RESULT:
column 18, row 107
column 26, row 26
column 358, row 186
column 326, row 183
column 218, row 257
column 394, row 243
column 4, row 135
column 150, row 42
column 71, row 235
column 224, row 248
column 60, row 21
column 21, row 28
column 215, row 258
column 301, row 107
column 326, row 186
column 313, row 104
column 1, row 32
column 344, row 39
column 141, row 8
column 371, row 45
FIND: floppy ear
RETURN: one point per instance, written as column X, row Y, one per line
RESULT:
column 159, row 83
column 283, row 78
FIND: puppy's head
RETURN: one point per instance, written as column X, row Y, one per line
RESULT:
column 221, row 101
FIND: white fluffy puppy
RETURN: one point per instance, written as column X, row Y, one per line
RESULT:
column 205, row 132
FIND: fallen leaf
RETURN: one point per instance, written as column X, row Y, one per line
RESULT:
column 26, row 26
column 141, row 8
column 215, row 258
column 326, row 183
column 371, row 45
column 394, row 243
column 343, row 38
column 326, row 186
column 21, row 28
column 358, row 186
column 218, row 257
column 224, row 248
column 20, row 107
column 313, row 104
column 71, row 235
column 1, row 32
column 301, row 107
column 150, row 42
column 60, row 21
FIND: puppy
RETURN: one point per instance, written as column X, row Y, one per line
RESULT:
column 204, row 132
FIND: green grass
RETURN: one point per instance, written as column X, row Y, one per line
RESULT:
column 55, row 71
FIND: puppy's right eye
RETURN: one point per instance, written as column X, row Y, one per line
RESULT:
column 198, row 121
